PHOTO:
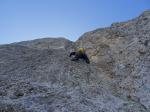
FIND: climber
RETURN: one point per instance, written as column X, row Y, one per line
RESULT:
column 79, row 54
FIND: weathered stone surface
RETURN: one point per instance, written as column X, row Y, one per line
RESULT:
column 48, row 43
column 38, row 76
column 123, row 52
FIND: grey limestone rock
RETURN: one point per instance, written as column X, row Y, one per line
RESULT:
column 38, row 75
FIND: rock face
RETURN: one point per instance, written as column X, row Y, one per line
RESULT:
column 47, row 43
column 123, row 52
column 38, row 76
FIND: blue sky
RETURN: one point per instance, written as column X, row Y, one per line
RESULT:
column 29, row 19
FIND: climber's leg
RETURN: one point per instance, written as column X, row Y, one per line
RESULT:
column 86, row 58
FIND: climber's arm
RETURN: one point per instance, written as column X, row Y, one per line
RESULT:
column 72, row 53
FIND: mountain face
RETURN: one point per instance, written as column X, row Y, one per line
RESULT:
column 38, row 75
